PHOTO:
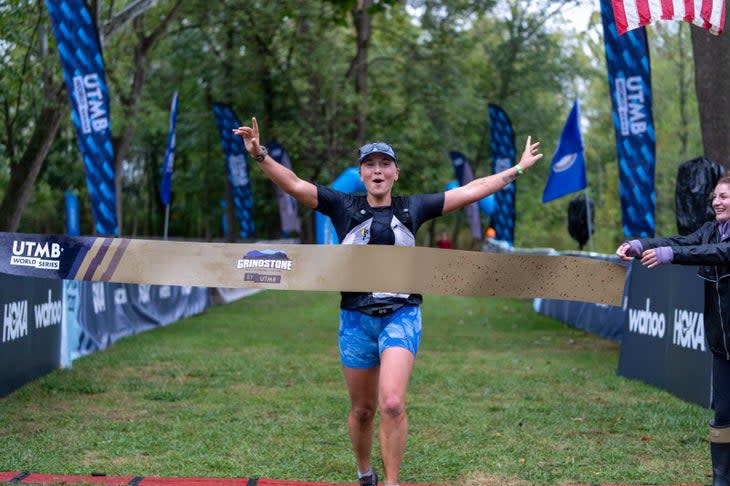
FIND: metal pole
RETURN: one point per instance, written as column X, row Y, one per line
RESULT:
column 167, row 218
column 590, row 226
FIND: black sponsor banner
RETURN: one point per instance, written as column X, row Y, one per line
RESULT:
column 30, row 331
column 663, row 341
column 108, row 312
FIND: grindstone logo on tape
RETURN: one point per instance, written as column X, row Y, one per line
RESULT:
column 264, row 266
column 688, row 329
column 34, row 254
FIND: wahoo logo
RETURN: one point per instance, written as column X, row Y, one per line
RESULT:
column 48, row 313
column 689, row 329
column 646, row 322
column 565, row 163
column 37, row 255
column 90, row 103
column 15, row 320
column 630, row 105
column 267, row 260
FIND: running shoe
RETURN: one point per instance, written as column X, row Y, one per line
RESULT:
column 369, row 480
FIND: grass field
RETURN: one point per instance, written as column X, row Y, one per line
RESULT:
column 500, row 396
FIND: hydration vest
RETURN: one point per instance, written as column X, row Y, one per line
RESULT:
column 368, row 226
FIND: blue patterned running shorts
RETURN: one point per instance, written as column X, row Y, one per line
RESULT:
column 363, row 338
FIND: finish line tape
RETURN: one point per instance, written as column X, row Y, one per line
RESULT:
column 351, row 268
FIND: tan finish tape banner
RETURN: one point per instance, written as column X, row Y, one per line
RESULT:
column 313, row 267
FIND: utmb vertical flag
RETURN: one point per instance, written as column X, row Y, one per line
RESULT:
column 503, row 157
column 568, row 167
column 629, row 82
column 78, row 47
column 236, row 167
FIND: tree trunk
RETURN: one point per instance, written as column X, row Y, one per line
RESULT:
column 359, row 66
column 24, row 174
column 130, row 104
column 683, row 88
column 130, row 107
column 712, row 82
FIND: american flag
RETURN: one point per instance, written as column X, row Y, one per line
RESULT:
column 630, row 14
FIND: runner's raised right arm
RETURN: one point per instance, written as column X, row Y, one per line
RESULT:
column 303, row 191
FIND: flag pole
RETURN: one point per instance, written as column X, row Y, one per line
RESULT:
column 167, row 219
column 590, row 226
column 588, row 201
column 169, row 161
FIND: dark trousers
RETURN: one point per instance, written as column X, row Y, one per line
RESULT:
column 721, row 392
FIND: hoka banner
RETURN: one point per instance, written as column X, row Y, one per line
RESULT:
column 464, row 174
column 236, row 167
column 629, row 80
column 83, row 72
column 288, row 206
column 503, row 157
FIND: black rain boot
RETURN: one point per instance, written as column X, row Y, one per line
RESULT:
column 720, row 453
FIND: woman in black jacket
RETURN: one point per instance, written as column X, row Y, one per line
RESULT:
column 708, row 248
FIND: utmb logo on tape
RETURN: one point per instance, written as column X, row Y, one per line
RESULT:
column 38, row 255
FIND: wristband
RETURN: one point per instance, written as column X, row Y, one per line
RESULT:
column 262, row 155
column 519, row 170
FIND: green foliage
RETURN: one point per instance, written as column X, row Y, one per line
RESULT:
column 23, row 26
column 499, row 396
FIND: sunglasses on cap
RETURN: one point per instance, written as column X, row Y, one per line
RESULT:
column 376, row 148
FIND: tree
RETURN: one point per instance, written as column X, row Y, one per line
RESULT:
column 30, row 60
column 145, row 39
column 418, row 74
column 26, row 104
column 712, row 82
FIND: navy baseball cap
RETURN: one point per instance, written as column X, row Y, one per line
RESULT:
column 376, row 148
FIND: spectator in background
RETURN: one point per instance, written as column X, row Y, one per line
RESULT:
column 443, row 241
column 708, row 248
